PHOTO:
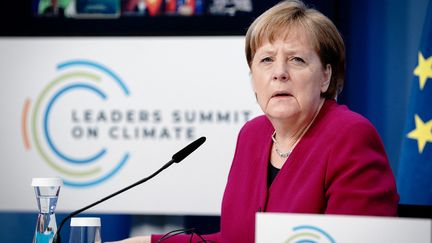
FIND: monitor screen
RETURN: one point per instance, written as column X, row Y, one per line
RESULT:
column 135, row 17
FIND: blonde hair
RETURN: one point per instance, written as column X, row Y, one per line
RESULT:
column 276, row 23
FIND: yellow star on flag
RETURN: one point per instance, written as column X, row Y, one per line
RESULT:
column 422, row 133
column 423, row 69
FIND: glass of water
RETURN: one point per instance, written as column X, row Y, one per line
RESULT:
column 85, row 230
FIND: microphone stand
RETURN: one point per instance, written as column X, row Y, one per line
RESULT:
column 176, row 158
column 57, row 238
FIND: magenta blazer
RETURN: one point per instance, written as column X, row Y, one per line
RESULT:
column 338, row 167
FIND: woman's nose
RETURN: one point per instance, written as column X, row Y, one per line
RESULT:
column 280, row 72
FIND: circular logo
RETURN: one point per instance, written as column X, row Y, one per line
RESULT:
column 49, row 123
column 309, row 234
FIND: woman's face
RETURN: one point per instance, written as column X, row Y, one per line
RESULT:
column 288, row 77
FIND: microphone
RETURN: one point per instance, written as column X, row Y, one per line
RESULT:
column 176, row 158
column 180, row 155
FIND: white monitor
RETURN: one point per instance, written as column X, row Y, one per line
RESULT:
column 313, row 228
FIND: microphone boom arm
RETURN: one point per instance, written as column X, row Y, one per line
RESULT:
column 179, row 156
column 57, row 238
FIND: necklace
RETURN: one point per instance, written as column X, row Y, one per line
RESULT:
column 281, row 154
column 286, row 154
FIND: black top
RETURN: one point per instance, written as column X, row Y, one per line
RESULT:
column 272, row 172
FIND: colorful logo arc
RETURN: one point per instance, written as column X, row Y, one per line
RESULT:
column 309, row 234
column 76, row 77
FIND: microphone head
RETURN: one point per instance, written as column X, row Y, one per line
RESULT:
column 180, row 155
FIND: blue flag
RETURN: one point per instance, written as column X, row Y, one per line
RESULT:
column 415, row 167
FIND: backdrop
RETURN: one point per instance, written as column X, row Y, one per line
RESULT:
column 104, row 113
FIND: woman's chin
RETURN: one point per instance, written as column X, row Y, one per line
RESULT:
column 281, row 114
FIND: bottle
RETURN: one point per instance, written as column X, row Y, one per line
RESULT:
column 47, row 192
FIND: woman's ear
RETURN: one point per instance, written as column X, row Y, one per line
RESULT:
column 253, row 85
column 252, row 82
column 327, row 78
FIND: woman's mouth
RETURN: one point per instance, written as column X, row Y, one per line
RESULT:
column 281, row 94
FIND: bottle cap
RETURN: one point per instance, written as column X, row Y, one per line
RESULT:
column 85, row 221
column 51, row 181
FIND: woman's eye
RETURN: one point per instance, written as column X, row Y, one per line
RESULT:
column 267, row 59
column 297, row 59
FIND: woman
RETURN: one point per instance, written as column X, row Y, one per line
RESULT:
column 307, row 154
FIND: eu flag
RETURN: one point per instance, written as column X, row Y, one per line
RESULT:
column 415, row 167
